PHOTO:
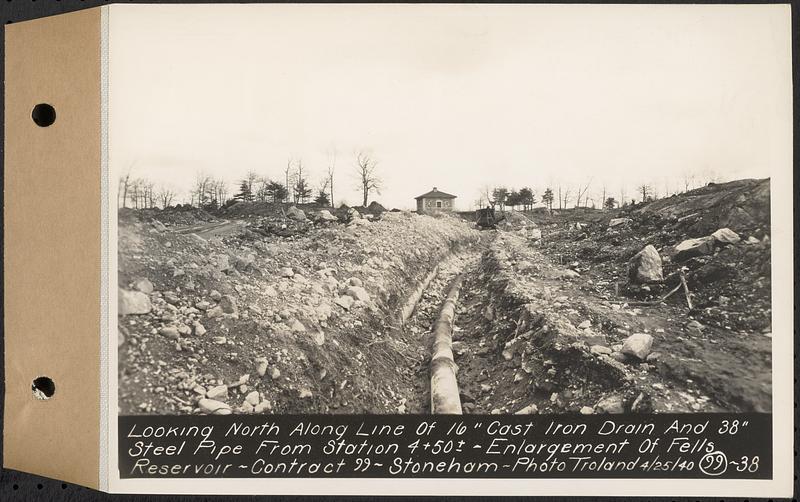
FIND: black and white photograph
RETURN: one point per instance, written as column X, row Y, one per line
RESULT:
column 494, row 210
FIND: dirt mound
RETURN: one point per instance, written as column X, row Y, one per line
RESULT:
column 559, row 338
column 271, row 324
column 180, row 215
column 742, row 205
column 730, row 284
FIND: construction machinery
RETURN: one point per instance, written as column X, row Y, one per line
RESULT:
column 486, row 218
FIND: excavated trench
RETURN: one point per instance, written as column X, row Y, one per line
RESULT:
column 423, row 318
column 491, row 349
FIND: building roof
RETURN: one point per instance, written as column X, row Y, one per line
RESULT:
column 436, row 194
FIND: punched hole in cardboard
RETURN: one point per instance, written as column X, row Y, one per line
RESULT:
column 43, row 388
column 43, row 114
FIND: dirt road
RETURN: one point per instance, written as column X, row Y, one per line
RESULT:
column 215, row 229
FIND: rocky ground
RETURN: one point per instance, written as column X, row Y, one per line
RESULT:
column 271, row 309
column 267, row 323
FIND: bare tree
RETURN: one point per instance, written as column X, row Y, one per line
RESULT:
column 202, row 190
column 368, row 180
column 331, row 171
column 566, row 197
column 218, row 192
column 581, row 193
column 125, row 184
column 300, row 186
column 165, row 196
column 689, row 181
column 286, row 173
column 603, row 198
column 644, row 189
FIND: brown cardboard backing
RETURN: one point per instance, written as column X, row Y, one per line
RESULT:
column 52, row 247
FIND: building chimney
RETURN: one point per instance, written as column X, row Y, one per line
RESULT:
column 434, row 188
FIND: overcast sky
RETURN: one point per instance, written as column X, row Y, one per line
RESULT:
column 457, row 97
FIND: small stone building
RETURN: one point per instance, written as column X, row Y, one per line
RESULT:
column 435, row 201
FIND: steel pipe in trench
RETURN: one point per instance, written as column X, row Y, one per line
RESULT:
column 445, row 399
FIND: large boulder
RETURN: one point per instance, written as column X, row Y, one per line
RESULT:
column 325, row 215
column 144, row 285
column 375, row 208
column 693, row 247
column 638, row 345
column 645, row 267
column 133, row 302
column 726, row 236
column 296, row 214
column 358, row 293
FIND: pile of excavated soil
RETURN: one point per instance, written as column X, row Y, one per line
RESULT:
column 172, row 216
column 241, row 324
column 731, row 286
column 537, row 337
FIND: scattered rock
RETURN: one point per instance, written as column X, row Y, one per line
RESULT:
column 296, row 214
column 252, row 398
column 726, row 236
column 199, row 329
column 618, row 221
column 144, row 285
column 263, row 407
column 531, row 409
column 170, row 332
column 245, row 262
column 358, row 293
column 305, row 393
column 611, row 404
column 215, row 312
column 133, row 302
column 600, row 350
column 638, row 345
column 218, row 392
column 318, row 337
column 223, row 263
column 345, row 302
column 261, row 366
column 228, row 305
column 214, row 407
column 286, row 272
column 326, row 215
column 274, row 373
column 645, row 267
column 585, row 324
column 171, row 298
column 587, row 410
column 569, row 274
column 695, row 325
column 693, row 247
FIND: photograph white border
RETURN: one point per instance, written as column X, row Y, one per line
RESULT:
column 782, row 378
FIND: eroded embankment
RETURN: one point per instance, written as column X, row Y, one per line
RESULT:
column 518, row 353
column 248, row 323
